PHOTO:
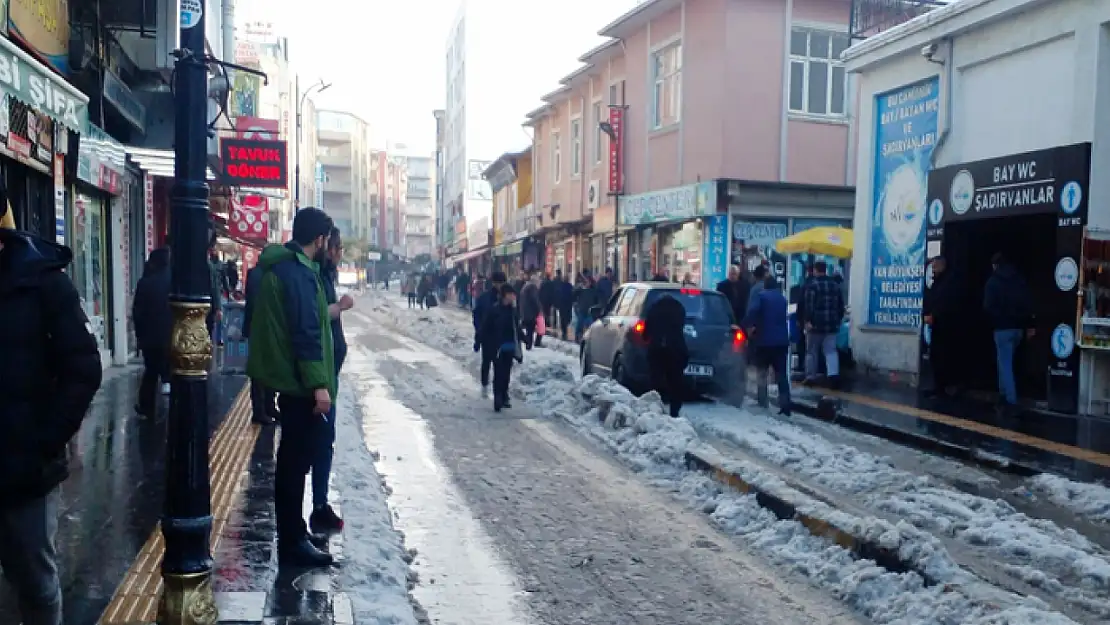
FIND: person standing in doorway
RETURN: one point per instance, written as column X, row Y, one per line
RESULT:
column 1008, row 303
column 50, row 373
column 323, row 518
column 824, row 309
column 150, row 312
column 667, row 351
column 767, row 322
column 940, row 308
column 486, row 303
column 291, row 350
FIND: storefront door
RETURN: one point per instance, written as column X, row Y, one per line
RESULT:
column 90, row 265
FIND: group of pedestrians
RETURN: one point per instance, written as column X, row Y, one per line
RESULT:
column 420, row 290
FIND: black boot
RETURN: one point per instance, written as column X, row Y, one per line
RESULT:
column 303, row 554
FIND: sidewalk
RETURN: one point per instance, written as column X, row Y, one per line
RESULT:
column 1033, row 442
column 113, row 498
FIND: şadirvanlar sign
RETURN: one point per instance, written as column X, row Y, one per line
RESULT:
column 30, row 82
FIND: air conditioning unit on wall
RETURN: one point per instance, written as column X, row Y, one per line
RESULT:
column 593, row 196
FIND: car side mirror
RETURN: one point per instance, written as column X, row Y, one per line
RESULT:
column 595, row 312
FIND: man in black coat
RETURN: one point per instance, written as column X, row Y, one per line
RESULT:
column 485, row 303
column 49, row 375
column 737, row 291
column 667, row 351
column 547, row 300
column 153, row 321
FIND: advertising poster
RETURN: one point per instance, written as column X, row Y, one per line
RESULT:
column 905, row 135
column 244, row 94
column 250, row 217
column 715, row 267
column 43, row 26
column 753, row 244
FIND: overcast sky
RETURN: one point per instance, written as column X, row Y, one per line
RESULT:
column 387, row 58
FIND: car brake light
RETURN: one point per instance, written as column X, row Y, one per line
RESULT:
column 638, row 328
column 690, row 291
column 739, row 336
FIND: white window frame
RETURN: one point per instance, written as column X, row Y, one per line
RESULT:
column 556, row 157
column 598, row 108
column 805, row 61
column 576, row 146
column 667, row 86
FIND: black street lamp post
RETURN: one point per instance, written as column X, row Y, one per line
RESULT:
column 318, row 87
column 187, row 516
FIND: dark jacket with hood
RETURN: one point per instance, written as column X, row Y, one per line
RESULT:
column 1007, row 300
column 290, row 348
column 150, row 311
column 663, row 326
column 51, row 368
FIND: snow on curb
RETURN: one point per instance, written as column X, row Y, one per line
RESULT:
column 638, row 431
column 375, row 572
column 1089, row 500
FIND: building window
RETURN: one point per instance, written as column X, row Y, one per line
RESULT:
column 667, row 75
column 556, row 157
column 817, row 80
column 597, row 132
column 616, row 93
column 576, row 147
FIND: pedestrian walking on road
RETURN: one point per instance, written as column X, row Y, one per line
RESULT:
column 667, row 351
column 486, row 302
column 153, row 321
column 291, row 350
column 530, row 309
column 323, row 518
column 501, row 334
column 768, row 325
column 547, row 300
column 824, row 308
column 409, row 288
column 564, row 303
column 263, row 400
column 423, row 290
column 50, row 373
column 1008, row 303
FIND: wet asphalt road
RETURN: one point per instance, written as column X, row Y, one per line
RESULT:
column 519, row 520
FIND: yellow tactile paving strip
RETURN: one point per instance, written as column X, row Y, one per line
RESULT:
column 136, row 598
column 1069, row 451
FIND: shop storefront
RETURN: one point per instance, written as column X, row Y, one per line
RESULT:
column 100, row 241
column 669, row 235
column 1032, row 208
column 32, row 136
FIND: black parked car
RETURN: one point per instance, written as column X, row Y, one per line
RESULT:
column 614, row 344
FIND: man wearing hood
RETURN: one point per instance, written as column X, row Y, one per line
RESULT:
column 1009, row 306
column 291, row 351
column 484, row 304
column 150, row 312
column 51, row 372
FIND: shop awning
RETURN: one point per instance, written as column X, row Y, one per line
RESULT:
column 458, row 258
column 156, row 162
column 40, row 88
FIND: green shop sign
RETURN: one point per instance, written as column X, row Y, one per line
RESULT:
column 28, row 81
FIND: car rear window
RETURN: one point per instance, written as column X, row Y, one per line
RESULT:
column 705, row 306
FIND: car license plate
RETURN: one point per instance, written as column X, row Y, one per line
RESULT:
column 699, row 370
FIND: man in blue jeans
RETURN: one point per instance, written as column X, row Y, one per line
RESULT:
column 1009, row 306
column 323, row 518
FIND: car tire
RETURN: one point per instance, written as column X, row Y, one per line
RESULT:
column 584, row 360
column 620, row 376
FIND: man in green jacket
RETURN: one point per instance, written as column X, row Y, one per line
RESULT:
column 291, row 352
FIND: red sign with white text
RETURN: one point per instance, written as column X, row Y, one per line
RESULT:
column 254, row 163
column 616, row 151
column 250, row 218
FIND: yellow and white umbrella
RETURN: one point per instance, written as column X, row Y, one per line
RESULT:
column 824, row 240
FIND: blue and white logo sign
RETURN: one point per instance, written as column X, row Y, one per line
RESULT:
column 191, row 12
column 962, row 192
column 1067, row 273
column 936, row 212
column 1063, row 341
column 1071, row 195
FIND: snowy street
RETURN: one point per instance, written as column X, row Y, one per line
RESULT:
column 579, row 504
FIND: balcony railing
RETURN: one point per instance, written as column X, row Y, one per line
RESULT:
column 871, row 17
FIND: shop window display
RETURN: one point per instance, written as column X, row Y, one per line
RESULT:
column 1095, row 279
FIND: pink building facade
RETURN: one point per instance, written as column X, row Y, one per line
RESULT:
column 736, row 132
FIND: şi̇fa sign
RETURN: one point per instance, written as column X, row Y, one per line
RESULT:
column 254, row 163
